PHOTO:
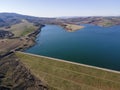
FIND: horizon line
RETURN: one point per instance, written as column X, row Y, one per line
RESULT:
column 62, row 16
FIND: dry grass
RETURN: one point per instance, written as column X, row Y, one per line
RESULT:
column 7, row 45
column 66, row 76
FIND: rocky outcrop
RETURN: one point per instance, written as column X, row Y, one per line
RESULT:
column 6, row 34
column 15, row 76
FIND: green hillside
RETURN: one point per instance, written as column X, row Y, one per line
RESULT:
column 61, row 75
column 23, row 28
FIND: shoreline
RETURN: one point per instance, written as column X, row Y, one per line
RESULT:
column 102, row 66
column 31, row 37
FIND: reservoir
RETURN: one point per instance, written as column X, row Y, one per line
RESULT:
column 92, row 45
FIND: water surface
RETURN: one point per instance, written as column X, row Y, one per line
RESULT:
column 93, row 45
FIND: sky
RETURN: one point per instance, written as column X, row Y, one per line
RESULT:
column 60, row 8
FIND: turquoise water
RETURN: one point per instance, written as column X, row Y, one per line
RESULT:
column 93, row 45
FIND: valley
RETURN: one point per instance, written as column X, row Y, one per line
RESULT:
column 90, row 37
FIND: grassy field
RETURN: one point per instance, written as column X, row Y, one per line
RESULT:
column 61, row 75
column 23, row 28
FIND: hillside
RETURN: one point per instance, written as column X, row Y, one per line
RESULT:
column 62, row 75
column 9, row 19
column 15, row 76
column 19, row 25
column 17, row 31
column 100, row 21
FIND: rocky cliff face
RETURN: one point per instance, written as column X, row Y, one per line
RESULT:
column 15, row 76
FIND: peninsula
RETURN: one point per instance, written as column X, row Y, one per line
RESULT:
column 72, row 27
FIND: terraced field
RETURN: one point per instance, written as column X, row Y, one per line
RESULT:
column 62, row 75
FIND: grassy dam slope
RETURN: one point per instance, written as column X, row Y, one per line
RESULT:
column 64, row 75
